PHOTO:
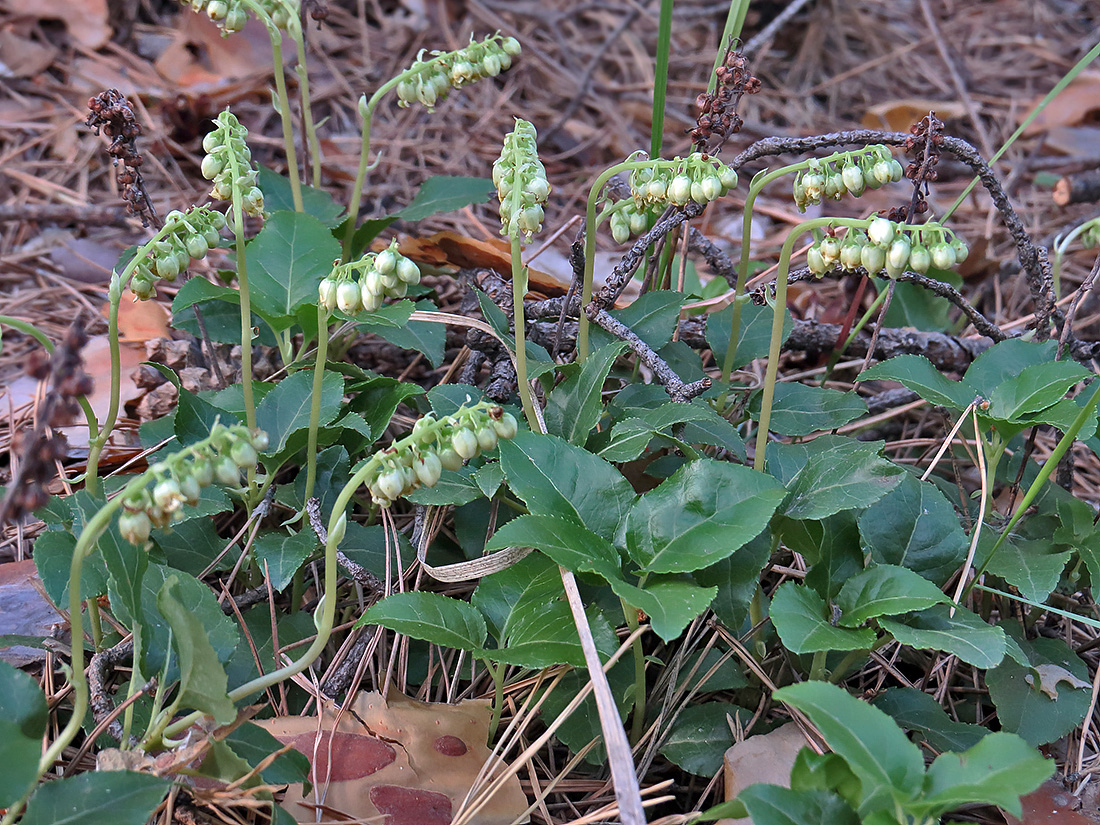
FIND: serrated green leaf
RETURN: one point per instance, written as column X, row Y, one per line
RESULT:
column 254, row 744
column 914, row 526
column 998, row 770
column 915, row 372
column 99, row 798
column 885, row 590
column 443, row 193
column 670, row 602
column 286, row 262
column 801, row 618
column 280, row 555
column 431, row 617
column 198, row 290
column 963, row 634
column 23, row 717
column 53, row 558
column 799, row 409
column 1005, row 360
column 565, row 541
column 422, row 336
column 830, row 483
column 378, row 397
column 1036, row 388
column 453, row 487
column 736, row 578
column 554, row 477
column 754, row 336
column 203, row 682
column 488, row 478
column 286, row 409
column 776, row 805
column 1030, row 566
column 575, row 405
column 195, row 417
column 916, row 710
column 701, row 735
column 278, row 197
column 875, row 748
column 389, row 316
column 652, row 317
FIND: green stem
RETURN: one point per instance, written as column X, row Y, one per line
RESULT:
column 735, row 21
column 838, row 353
column 817, row 666
column 295, row 32
column 95, row 447
column 1060, row 252
column 519, row 290
column 29, row 329
column 497, row 672
column 772, row 372
column 246, row 306
column 1069, row 77
column 637, row 727
column 660, row 78
column 1087, row 413
column 315, row 403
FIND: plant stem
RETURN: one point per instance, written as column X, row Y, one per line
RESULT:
column 310, row 129
column 660, row 78
column 315, row 404
column 246, row 306
column 838, row 353
column 95, row 447
column 735, row 20
column 637, row 727
column 497, row 672
column 519, row 290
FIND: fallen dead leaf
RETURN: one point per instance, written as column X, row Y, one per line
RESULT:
column 1051, row 804
column 141, row 321
column 86, row 20
column 24, row 611
column 23, row 57
column 899, row 115
column 1078, row 103
column 767, row 757
column 199, row 59
column 400, row 761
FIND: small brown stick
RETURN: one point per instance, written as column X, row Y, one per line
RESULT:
column 677, row 389
column 1083, row 188
column 1085, row 288
column 62, row 213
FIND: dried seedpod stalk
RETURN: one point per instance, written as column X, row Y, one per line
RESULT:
column 718, row 117
column 41, row 447
column 111, row 112
column 923, row 146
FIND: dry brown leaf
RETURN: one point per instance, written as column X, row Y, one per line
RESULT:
column 899, row 115
column 86, row 20
column 1078, row 103
column 767, row 757
column 23, row 57
column 1051, row 804
column 141, row 321
column 26, row 612
column 401, row 762
column 452, row 249
column 201, row 60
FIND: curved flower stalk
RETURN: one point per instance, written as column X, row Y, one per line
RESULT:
column 228, row 163
column 817, row 178
column 522, row 189
column 428, row 81
column 654, row 184
column 1088, row 232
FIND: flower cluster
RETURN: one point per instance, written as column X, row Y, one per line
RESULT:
column 628, row 221
column 1090, row 238
column 886, row 245
column 180, row 479
column 231, row 15
column 189, row 235
column 845, row 173
column 697, row 177
column 428, row 81
column 112, row 112
column 520, row 179
column 228, row 163
column 436, row 445
column 361, row 285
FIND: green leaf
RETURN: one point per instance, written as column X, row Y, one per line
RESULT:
column 203, row 683
column 23, row 716
column 575, row 405
column 565, row 541
column 916, row 307
column 422, row 336
column 453, row 487
column 671, row 602
column 554, row 477
column 199, row 290
column 254, row 744
column 367, row 232
column 1024, row 708
column 702, row 513
column 799, row 409
column 1034, row 389
column 1031, row 566
column 195, row 417
column 885, row 590
column 915, row 372
column 1004, row 361
column 736, row 578
column 914, row 526
column 875, row 748
column 916, row 710
column 280, row 555
column 192, row 545
column 286, row 262
column 652, row 317
column 488, row 478
column 377, row 399
column 963, row 634
column 99, row 798
column 278, row 197
column 442, row 193
column 632, row 434
column 830, row 547
column 701, row 735
column 776, row 805
column 998, row 770
column 432, row 617
column 333, row 472
column 126, row 563
column 831, row 482
column 389, row 316
column 285, row 410
column 754, row 337
column 53, row 557
column 801, row 618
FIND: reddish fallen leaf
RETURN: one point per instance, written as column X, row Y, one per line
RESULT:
column 400, row 762
column 86, row 20
column 899, row 115
column 1051, row 804
column 24, row 611
column 1078, row 103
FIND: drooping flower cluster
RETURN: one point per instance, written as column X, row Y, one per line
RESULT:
column 436, row 445
column 231, row 15
column 886, row 245
column 189, row 236
column 428, row 81
column 846, row 173
column 361, row 285
column 180, row 479
column 1090, row 238
column 698, row 177
column 228, row 163
column 520, row 179
column 628, row 221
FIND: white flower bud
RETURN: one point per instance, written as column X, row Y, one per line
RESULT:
column 943, row 256
column 816, row 261
column 920, row 258
column 897, row 256
column 506, row 426
column 464, row 443
column 408, row 271
column 428, row 469
column 853, row 179
column 712, row 187
column 873, row 258
column 881, row 231
column 679, row 191
column 960, row 250
column 348, row 297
